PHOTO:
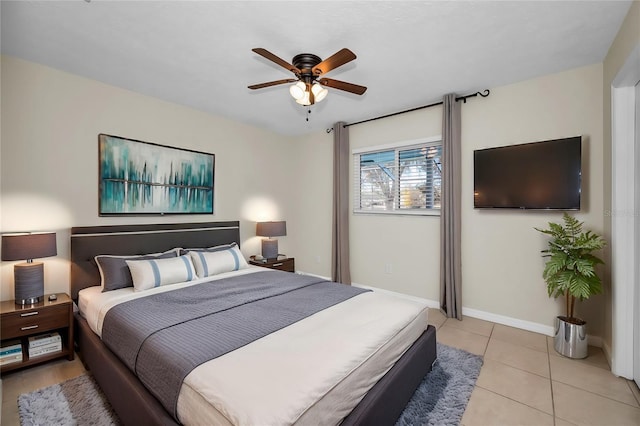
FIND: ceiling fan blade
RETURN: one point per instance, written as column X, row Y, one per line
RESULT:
column 332, row 62
column 273, row 58
column 272, row 83
column 342, row 85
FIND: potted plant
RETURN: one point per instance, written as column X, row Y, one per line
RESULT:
column 570, row 272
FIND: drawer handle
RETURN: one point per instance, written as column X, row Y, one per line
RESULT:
column 31, row 327
column 28, row 314
column 278, row 264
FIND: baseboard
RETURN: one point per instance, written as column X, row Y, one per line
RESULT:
column 594, row 341
column 535, row 327
column 607, row 352
column 486, row 316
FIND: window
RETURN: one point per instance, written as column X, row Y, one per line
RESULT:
column 401, row 179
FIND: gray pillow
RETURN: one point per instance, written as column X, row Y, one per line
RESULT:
column 115, row 273
column 208, row 249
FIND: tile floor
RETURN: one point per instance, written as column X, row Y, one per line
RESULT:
column 522, row 382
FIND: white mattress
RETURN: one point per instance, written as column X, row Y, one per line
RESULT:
column 314, row 371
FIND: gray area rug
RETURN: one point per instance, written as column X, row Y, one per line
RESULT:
column 440, row 399
column 443, row 395
column 76, row 401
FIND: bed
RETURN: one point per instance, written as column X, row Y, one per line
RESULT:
column 238, row 387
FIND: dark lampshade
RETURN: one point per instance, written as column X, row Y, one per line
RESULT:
column 29, row 276
column 271, row 229
column 28, row 246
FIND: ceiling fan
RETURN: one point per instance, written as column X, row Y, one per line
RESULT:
column 308, row 68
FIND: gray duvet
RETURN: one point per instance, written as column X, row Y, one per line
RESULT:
column 163, row 337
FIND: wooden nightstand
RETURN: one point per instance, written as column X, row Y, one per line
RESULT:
column 21, row 322
column 286, row 264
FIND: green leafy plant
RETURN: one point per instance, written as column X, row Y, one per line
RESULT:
column 570, row 270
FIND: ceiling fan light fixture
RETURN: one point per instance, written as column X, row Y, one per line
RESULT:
column 305, row 99
column 308, row 68
column 298, row 91
column 319, row 92
column 302, row 96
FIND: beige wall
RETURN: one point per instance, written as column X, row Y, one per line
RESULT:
column 408, row 246
column 312, row 203
column 501, row 263
column 502, row 266
column 49, row 181
column 626, row 40
column 49, row 176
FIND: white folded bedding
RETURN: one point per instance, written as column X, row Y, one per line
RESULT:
column 312, row 372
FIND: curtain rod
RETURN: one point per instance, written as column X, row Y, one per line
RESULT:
column 484, row 94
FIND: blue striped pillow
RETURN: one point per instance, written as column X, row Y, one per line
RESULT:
column 150, row 273
column 114, row 273
column 213, row 262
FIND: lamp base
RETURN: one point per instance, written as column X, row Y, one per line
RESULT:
column 30, row 301
column 270, row 248
column 28, row 283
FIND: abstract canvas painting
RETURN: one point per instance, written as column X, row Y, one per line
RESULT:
column 140, row 178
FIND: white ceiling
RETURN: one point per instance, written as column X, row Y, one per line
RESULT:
column 410, row 53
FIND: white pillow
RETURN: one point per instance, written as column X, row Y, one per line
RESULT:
column 150, row 273
column 114, row 273
column 209, row 263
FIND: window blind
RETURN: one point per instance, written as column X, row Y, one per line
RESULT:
column 403, row 179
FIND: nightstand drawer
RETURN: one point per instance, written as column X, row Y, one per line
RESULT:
column 283, row 265
column 286, row 264
column 35, row 320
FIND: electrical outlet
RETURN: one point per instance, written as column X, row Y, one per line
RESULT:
column 388, row 268
column 317, row 259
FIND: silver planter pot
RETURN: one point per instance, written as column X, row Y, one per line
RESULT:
column 570, row 339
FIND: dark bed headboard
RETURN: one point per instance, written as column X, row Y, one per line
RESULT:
column 90, row 241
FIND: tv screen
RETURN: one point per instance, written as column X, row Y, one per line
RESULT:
column 538, row 175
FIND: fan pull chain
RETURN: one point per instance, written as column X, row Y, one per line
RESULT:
column 308, row 112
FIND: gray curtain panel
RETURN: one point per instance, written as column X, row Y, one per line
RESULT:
column 340, row 269
column 450, row 222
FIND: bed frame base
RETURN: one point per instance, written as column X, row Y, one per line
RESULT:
column 131, row 401
column 134, row 405
column 386, row 400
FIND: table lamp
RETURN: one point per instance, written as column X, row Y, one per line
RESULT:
column 269, row 230
column 28, row 276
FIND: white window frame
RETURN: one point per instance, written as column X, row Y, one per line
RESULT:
column 403, row 145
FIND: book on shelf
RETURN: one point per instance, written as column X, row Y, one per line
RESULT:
column 11, row 351
column 10, row 359
column 44, row 339
column 45, row 349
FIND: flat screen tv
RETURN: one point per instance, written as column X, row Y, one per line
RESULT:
column 539, row 175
